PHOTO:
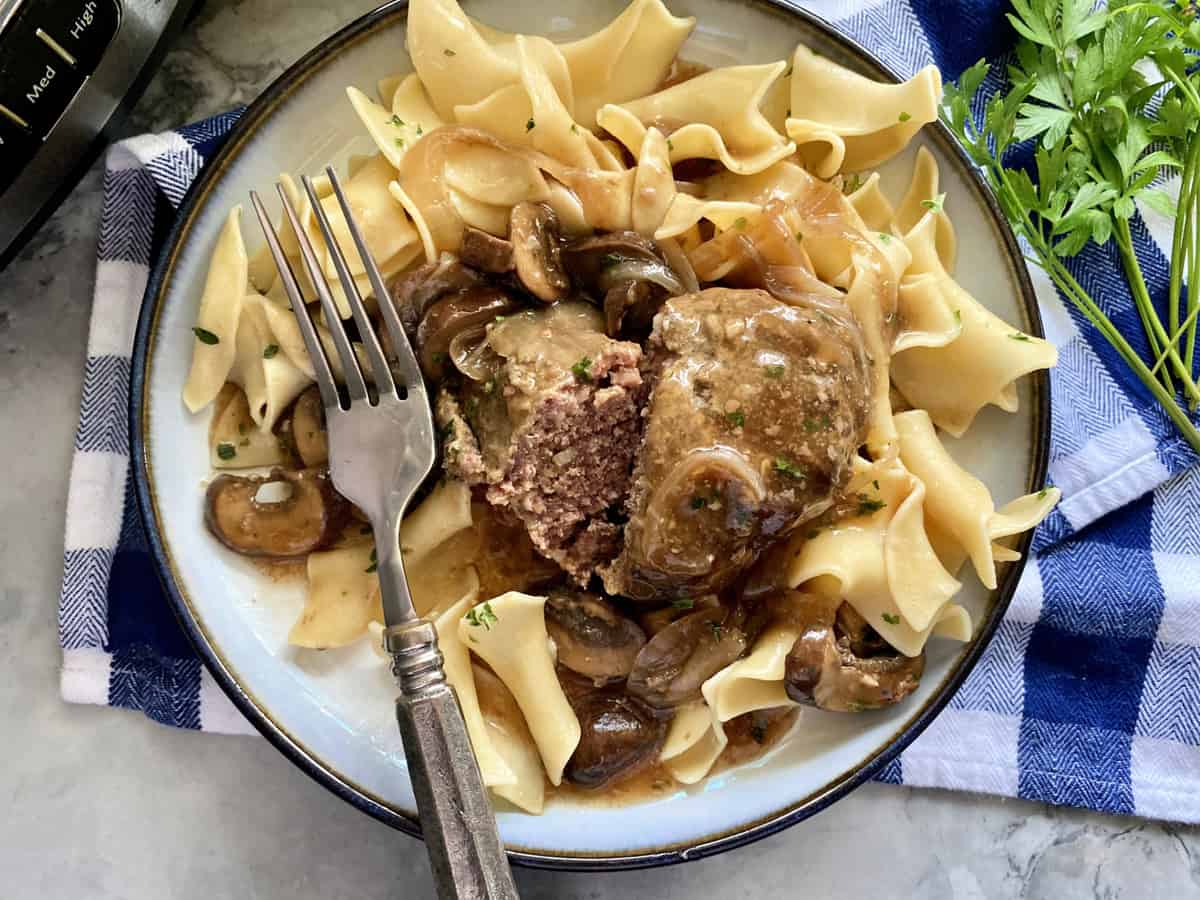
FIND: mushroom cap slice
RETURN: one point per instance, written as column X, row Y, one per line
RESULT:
column 673, row 665
column 417, row 290
column 533, row 231
column 619, row 735
column 308, row 429
column 825, row 668
column 309, row 518
column 486, row 252
column 452, row 315
column 592, row 638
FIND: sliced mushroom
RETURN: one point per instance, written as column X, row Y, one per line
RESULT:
column 533, row 231
column 675, row 662
column 592, row 638
column 308, row 429
column 486, row 252
column 624, row 270
column 450, row 316
column 619, row 735
column 839, row 662
column 414, row 292
column 282, row 516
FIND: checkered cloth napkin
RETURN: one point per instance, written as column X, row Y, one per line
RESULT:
column 1089, row 693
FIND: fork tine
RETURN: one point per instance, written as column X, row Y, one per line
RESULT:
column 405, row 357
column 316, row 353
column 379, row 364
column 356, row 387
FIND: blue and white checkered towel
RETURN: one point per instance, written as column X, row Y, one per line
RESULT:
column 1090, row 692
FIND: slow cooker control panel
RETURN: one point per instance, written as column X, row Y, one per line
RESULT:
column 48, row 50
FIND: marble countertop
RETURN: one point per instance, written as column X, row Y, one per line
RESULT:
column 106, row 804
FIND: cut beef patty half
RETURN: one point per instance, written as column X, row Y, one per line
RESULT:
column 553, row 434
column 757, row 407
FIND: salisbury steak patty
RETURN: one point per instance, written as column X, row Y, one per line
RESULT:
column 554, row 432
column 756, row 409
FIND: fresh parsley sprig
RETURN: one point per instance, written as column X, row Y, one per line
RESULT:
column 1080, row 90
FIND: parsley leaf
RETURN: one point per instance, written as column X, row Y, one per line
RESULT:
column 891, row 618
column 774, row 371
column 270, row 350
column 204, row 336
column 683, row 603
column 736, row 419
column 786, row 467
column 582, row 369
column 226, row 451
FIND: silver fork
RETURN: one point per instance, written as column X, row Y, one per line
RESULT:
column 381, row 448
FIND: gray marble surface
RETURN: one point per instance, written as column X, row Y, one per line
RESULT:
column 99, row 803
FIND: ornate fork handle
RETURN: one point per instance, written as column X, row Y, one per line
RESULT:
column 464, row 848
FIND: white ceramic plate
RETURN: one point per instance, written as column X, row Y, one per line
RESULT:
column 331, row 712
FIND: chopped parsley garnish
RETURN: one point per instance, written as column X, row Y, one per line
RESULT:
column 530, row 125
column 958, row 316
column 736, row 419
column 891, row 618
column 574, row 128
column 1019, row 336
column 397, row 121
column 788, row 114
column 758, row 733
column 448, row 52
column 374, row 566
column 699, row 502
column 482, row 615
column 683, row 603
column 204, row 336
column 438, row 356
column 904, row 117
column 774, row 371
column 226, row 451
column 400, row 142
column 582, row 369
column 1042, row 494
column 270, row 350
column 852, row 184
column 823, row 423
column 608, row 260
column 884, row 237
column 715, row 628
column 867, row 505
column 420, row 130
column 935, row 204
column 799, row 237
column 785, row 466
column 876, row 483
column 739, row 223
column 670, row 146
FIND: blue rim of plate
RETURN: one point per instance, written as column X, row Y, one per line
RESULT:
column 816, row 801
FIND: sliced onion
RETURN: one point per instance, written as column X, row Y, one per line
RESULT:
column 641, row 270
column 680, row 264
column 471, row 355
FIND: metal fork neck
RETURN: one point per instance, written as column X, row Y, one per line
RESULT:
column 416, row 660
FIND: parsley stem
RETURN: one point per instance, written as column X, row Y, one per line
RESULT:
column 1066, row 283
column 1182, row 249
column 1175, row 336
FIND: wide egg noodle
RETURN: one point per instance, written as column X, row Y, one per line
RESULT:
column 872, row 204
column 715, row 115
column 653, row 185
column 459, row 672
column 841, row 121
column 921, row 195
column 232, row 426
column 440, row 516
column 400, row 124
column 986, row 356
column 530, row 113
column 381, row 220
column 512, row 742
column 755, row 681
column 271, row 381
column 872, row 300
column 220, row 311
column 959, row 502
column 511, row 638
column 459, row 67
column 726, row 197
column 879, row 560
column 692, row 744
column 340, row 601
